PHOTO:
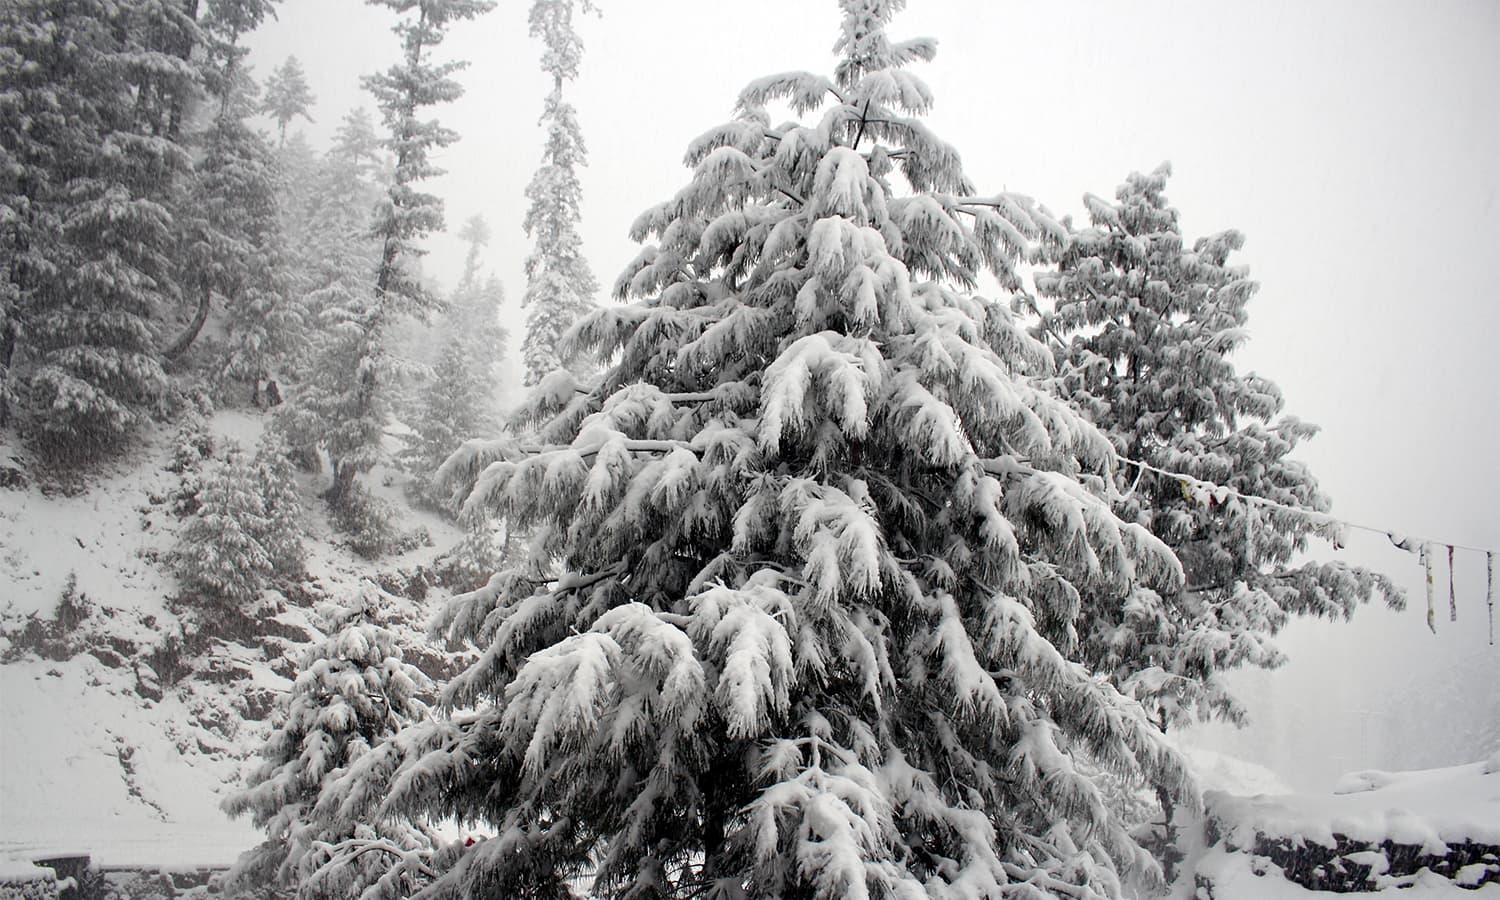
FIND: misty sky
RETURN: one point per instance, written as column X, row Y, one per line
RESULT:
column 1355, row 143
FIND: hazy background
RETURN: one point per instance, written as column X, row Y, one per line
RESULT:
column 1355, row 143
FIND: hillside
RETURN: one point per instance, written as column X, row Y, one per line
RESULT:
column 127, row 719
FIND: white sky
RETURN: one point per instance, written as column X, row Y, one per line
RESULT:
column 1355, row 142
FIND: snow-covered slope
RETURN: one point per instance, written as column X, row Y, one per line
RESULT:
column 122, row 730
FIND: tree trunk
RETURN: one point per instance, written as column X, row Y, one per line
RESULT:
column 190, row 334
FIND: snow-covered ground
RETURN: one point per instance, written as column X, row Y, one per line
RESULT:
column 1369, row 811
column 97, row 756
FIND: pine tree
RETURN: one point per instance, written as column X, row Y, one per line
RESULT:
column 353, row 691
column 560, row 288
column 1149, row 325
column 284, row 529
column 408, row 215
column 801, row 611
column 94, row 95
column 220, row 559
column 460, row 398
column 332, row 256
column 233, row 248
column 287, row 96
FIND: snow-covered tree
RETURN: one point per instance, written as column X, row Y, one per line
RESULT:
column 281, row 505
column 94, row 94
column 801, row 611
column 459, row 400
column 353, row 691
column 332, row 255
column 219, row 559
column 560, row 289
column 287, row 96
column 403, row 93
column 230, row 219
column 1150, row 324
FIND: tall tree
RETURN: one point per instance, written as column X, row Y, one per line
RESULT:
column 230, row 221
column 94, row 95
column 560, row 289
column 287, row 96
column 407, row 215
column 1149, row 325
column 800, row 615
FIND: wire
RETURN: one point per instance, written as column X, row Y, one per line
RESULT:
column 1311, row 514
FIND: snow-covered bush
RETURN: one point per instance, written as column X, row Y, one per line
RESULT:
column 57, row 638
column 799, row 614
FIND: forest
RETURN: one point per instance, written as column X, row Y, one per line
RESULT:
column 874, row 532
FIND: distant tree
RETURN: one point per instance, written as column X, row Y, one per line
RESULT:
column 799, row 613
column 230, row 221
column 287, row 96
column 1149, row 325
column 560, row 289
column 353, row 691
column 459, row 400
column 407, row 215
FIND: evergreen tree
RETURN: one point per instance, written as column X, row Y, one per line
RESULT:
column 353, row 691
column 801, row 610
column 407, row 215
column 94, row 94
column 220, row 559
column 332, row 256
column 459, row 400
column 233, row 247
column 287, row 96
column 1150, row 324
column 284, row 529
column 560, row 288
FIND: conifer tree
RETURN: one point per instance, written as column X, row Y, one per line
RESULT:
column 353, row 691
column 233, row 248
column 287, row 96
column 1150, row 324
column 332, row 256
column 220, row 558
column 284, row 529
column 407, row 215
column 94, row 94
column 801, row 610
column 560, row 288
column 459, row 400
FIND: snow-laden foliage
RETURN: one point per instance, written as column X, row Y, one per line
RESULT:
column 92, row 97
column 333, row 256
column 230, row 219
column 560, row 288
column 219, row 559
column 459, row 400
column 801, row 611
column 1149, row 324
column 247, row 530
column 353, row 690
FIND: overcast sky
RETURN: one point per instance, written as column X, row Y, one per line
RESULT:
column 1356, row 143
